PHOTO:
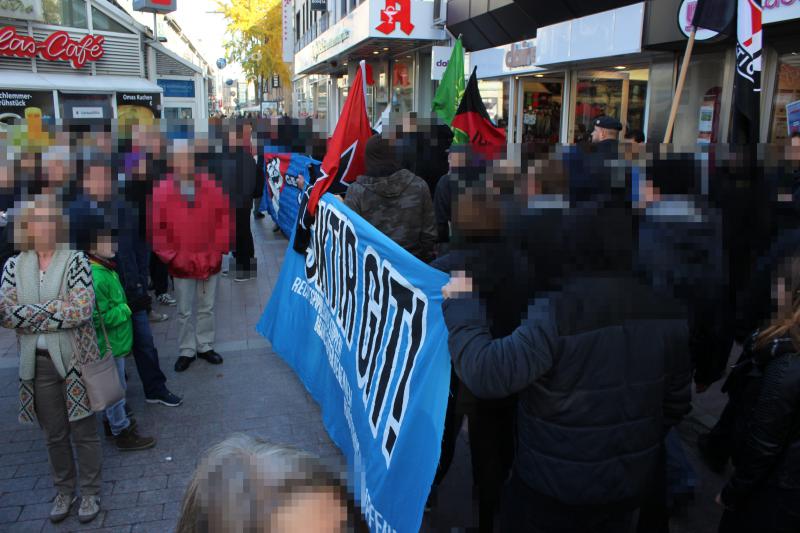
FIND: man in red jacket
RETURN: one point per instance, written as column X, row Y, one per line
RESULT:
column 191, row 227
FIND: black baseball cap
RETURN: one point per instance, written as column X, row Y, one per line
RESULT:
column 609, row 123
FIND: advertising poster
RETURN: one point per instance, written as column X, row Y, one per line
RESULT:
column 793, row 117
column 18, row 105
column 138, row 107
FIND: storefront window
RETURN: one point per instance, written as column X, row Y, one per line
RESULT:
column 619, row 92
column 178, row 113
column 542, row 101
column 698, row 118
column 320, row 108
column 70, row 13
column 495, row 96
column 403, row 86
column 786, row 105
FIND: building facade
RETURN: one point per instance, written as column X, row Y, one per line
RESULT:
column 394, row 37
column 625, row 62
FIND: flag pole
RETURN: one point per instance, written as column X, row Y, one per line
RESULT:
column 687, row 56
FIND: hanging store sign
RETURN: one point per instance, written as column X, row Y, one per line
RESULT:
column 396, row 13
column 155, row 6
column 58, row 46
column 21, row 9
column 440, row 57
column 780, row 10
column 177, row 88
column 685, row 18
column 287, row 44
column 138, row 106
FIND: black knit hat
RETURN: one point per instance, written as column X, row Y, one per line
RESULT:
column 380, row 157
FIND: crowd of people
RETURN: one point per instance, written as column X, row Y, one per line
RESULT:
column 590, row 286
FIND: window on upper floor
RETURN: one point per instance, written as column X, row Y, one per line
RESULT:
column 70, row 13
column 102, row 22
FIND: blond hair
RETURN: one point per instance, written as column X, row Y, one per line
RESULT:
column 242, row 481
column 786, row 318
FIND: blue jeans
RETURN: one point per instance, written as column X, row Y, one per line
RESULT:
column 117, row 418
column 146, row 356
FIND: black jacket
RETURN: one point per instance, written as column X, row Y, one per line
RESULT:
column 602, row 371
column 765, row 392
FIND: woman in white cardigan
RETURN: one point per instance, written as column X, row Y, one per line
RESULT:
column 46, row 295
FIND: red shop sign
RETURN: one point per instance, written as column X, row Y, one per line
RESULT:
column 58, row 46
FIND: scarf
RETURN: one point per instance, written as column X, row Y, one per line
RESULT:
column 59, row 343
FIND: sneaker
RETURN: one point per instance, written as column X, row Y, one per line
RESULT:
column 61, row 506
column 165, row 398
column 130, row 441
column 155, row 316
column 242, row 276
column 89, row 509
column 166, row 299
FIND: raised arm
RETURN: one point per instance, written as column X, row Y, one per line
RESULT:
column 496, row 368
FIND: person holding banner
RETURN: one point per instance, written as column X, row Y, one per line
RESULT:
column 395, row 201
column 613, row 352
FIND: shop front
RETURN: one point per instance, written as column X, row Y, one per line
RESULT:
column 549, row 89
column 396, row 44
column 73, row 60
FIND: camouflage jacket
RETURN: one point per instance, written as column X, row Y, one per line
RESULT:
column 400, row 207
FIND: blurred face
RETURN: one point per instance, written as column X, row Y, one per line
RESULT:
column 105, row 247
column 183, row 161
column 56, row 171
column 97, row 181
column 795, row 142
column 39, row 231
column 319, row 511
column 6, row 179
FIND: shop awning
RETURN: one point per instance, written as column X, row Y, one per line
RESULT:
column 76, row 83
column 488, row 23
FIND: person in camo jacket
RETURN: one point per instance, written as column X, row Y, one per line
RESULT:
column 394, row 200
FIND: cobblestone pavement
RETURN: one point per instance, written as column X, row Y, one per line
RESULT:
column 252, row 392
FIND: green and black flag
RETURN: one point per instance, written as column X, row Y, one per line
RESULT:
column 472, row 118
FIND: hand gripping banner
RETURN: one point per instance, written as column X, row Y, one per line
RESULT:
column 359, row 320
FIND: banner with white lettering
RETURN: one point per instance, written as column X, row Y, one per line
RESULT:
column 359, row 320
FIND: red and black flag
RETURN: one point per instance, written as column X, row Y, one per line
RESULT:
column 747, row 83
column 472, row 118
column 716, row 15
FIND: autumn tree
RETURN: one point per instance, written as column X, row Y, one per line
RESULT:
column 254, row 39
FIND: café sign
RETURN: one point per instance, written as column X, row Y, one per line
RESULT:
column 58, row 46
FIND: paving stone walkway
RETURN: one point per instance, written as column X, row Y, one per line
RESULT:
column 252, row 392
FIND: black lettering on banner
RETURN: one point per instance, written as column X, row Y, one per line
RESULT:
column 331, row 265
column 402, row 302
column 416, row 326
column 370, row 334
column 347, row 311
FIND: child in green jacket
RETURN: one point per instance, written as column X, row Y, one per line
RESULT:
column 112, row 313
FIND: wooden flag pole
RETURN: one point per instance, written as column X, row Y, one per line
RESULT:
column 687, row 56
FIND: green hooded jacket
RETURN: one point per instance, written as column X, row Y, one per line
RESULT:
column 111, row 303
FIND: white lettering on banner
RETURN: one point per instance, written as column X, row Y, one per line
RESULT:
column 393, row 319
column 375, row 520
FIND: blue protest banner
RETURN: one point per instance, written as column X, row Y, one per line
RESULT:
column 359, row 320
column 281, row 194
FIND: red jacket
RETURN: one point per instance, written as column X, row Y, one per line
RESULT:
column 190, row 235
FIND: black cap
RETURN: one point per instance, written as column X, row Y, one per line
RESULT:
column 609, row 123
